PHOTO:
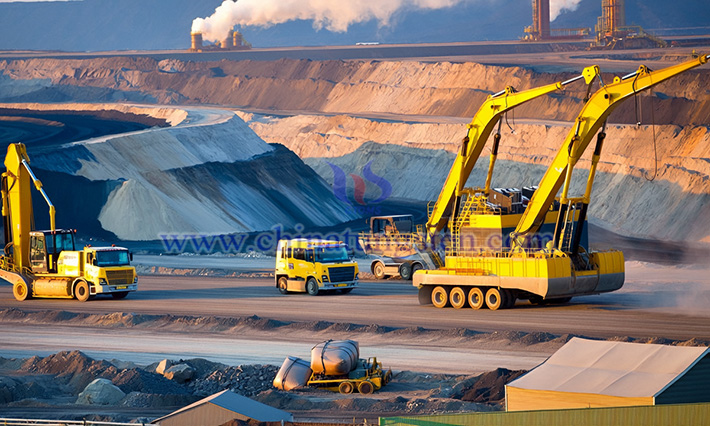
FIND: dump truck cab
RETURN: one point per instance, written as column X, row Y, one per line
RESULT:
column 314, row 266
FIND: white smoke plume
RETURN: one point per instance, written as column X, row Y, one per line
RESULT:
column 558, row 6
column 332, row 15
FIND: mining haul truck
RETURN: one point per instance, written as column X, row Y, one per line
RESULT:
column 529, row 243
column 46, row 263
column 314, row 266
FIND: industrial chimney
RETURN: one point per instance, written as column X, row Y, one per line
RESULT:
column 196, row 42
column 541, row 19
column 228, row 43
column 238, row 40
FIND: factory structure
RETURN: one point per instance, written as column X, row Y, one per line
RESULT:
column 611, row 30
column 233, row 41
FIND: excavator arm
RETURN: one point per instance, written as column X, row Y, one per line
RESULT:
column 479, row 130
column 18, row 215
column 592, row 118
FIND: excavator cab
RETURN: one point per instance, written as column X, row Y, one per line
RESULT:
column 45, row 247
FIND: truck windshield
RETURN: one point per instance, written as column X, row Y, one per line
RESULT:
column 331, row 254
column 112, row 258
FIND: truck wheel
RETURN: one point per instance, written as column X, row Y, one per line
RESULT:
column 346, row 388
column 366, row 387
column 476, row 299
column 439, row 297
column 312, row 286
column 496, row 299
column 21, row 291
column 457, row 297
column 405, row 271
column 378, row 269
column 346, row 290
column 283, row 285
column 510, row 298
column 416, row 267
column 119, row 295
column 81, row 291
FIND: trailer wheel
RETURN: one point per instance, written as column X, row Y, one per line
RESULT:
column 81, row 291
column 476, row 299
column 405, row 271
column 496, row 299
column 366, row 387
column 440, row 297
column 457, row 297
column 283, row 285
column 346, row 387
column 21, row 291
column 378, row 270
column 312, row 286
column 119, row 295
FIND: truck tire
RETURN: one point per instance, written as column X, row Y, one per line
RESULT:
column 457, row 298
column 510, row 299
column 366, row 387
column 312, row 286
column 283, row 285
column 476, row 299
column 21, row 291
column 378, row 270
column 81, row 291
column 119, row 295
column 346, row 388
column 416, row 267
column 346, row 290
column 439, row 297
column 405, row 271
column 496, row 299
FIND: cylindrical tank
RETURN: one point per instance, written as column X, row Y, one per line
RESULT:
column 294, row 373
column 196, row 41
column 335, row 357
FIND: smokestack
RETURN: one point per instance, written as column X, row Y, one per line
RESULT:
column 227, row 43
column 541, row 19
column 196, row 42
column 238, row 39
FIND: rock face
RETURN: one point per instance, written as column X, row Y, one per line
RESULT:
column 100, row 392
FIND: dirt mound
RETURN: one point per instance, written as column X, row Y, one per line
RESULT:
column 490, row 387
column 137, row 380
column 77, row 369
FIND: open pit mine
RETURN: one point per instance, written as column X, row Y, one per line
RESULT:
column 133, row 149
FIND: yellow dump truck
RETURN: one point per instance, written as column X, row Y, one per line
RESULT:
column 314, row 266
column 46, row 263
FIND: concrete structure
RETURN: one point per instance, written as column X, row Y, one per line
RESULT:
column 541, row 19
column 196, row 45
column 588, row 374
column 221, row 408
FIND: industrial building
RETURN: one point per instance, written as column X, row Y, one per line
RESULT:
column 221, row 408
column 588, row 373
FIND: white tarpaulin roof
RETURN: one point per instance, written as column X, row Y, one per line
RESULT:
column 611, row 368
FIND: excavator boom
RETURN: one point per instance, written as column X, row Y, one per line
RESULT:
column 479, row 131
column 592, row 117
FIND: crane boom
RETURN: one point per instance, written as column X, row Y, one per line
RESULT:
column 479, row 130
column 592, row 117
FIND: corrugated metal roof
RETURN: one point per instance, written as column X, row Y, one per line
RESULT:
column 239, row 404
column 611, row 368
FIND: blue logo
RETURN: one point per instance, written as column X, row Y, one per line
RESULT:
column 340, row 186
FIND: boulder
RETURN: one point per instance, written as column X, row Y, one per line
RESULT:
column 163, row 365
column 180, row 373
column 100, row 392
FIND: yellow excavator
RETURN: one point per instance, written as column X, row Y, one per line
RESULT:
column 398, row 250
column 487, row 267
column 46, row 263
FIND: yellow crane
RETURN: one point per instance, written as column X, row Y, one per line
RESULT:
column 402, row 251
column 45, row 263
column 480, row 275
